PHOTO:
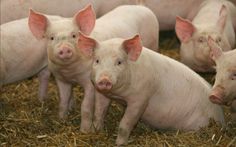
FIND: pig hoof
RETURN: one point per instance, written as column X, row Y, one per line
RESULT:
column 42, row 98
column 121, row 142
column 63, row 115
column 87, row 130
column 98, row 126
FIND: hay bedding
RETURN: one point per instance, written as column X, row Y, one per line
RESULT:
column 24, row 121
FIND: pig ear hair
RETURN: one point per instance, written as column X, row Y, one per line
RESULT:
column 133, row 47
column 215, row 50
column 86, row 44
column 85, row 19
column 37, row 23
column 222, row 18
column 184, row 29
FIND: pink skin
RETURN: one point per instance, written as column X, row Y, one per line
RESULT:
column 217, row 95
column 65, row 61
column 214, row 19
column 117, row 69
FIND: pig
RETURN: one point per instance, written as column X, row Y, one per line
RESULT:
column 70, row 66
column 149, row 83
column 215, row 19
column 22, row 55
column 163, row 9
column 224, row 89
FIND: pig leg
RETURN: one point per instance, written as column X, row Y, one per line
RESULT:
column 43, row 76
column 101, row 105
column 132, row 114
column 87, row 108
column 65, row 90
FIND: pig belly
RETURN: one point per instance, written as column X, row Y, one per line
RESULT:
column 167, row 116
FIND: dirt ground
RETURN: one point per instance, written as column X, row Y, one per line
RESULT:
column 24, row 121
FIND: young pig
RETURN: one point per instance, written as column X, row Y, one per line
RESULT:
column 150, row 85
column 22, row 55
column 70, row 66
column 224, row 89
column 213, row 19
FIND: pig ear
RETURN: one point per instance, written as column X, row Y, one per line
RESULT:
column 184, row 29
column 37, row 24
column 215, row 50
column 222, row 18
column 85, row 19
column 133, row 47
column 86, row 44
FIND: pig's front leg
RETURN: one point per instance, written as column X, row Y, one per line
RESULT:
column 87, row 108
column 43, row 76
column 101, row 105
column 65, row 90
column 135, row 108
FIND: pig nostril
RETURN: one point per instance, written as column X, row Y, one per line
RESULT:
column 61, row 52
column 68, row 51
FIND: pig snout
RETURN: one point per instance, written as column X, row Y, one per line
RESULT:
column 65, row 53
column 217, row 95
column 104, row 84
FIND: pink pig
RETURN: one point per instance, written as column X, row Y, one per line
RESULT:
column 224, row 89
column 22, row 55
column 70, row 66
column 216, row 19
column 163, row 92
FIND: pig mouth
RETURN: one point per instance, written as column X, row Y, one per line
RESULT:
column 105, row 91
column 216, row 100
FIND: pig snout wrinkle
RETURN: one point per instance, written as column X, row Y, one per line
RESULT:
column 65, row 53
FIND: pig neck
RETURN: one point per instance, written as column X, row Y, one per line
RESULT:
column 71, row 72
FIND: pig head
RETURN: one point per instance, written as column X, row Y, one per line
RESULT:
column 224, row 89
column 193, row 37
column 62, row 35
column 109, row 73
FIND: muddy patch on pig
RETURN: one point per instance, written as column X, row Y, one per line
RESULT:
column 24, row 121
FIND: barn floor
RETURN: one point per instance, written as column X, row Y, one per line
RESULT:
column 24, row 121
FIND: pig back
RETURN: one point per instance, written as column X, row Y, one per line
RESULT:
column 126, row 21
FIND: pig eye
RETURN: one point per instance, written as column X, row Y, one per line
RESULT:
column 119, row 62
column 218, row 40
column 73, row 35
column 51, row 38
column 233, row 77
column 201, row 39
column 97, row 61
